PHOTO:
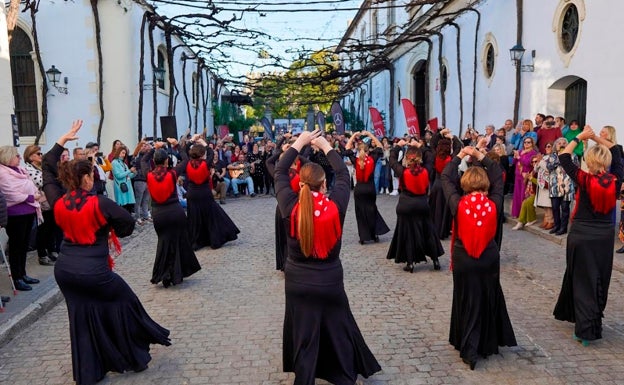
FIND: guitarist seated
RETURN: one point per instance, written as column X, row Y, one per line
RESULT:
column 240, row 173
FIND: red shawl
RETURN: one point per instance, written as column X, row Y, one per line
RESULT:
column 600, row 190
column 160, row 187
column 78, row 214
column 415, row 180
column 198, row 172
column 362, row 174
column 327, row 229
column 293, row 174
column 476, row 221
column 440, row 163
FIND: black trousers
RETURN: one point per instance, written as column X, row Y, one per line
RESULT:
column 46, row 235
column 18, row 229
column 561, row 213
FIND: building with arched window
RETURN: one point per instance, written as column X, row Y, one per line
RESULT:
column 453, row 60
column 115, row 67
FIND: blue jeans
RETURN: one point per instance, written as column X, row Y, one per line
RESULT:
column 376, row 175
column 248, row 181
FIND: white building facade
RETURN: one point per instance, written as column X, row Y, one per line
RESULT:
column 103, row 90
column 452, row 60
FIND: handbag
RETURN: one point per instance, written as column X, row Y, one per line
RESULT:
column 123, row 187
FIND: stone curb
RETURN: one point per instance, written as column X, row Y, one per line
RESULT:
column 16, row 324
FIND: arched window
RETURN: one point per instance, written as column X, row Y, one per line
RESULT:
column 24, row 83
column 490, row 58
column 162, row 64
column 569, row 28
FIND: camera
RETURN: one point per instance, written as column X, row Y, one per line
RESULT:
column 99, row 154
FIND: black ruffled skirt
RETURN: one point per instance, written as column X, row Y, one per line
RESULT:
column 370, row 223
column 321, row 337
column 209, row 225
column 585, row 287
column 109, row 328
column 414, row 235
column 175, row 258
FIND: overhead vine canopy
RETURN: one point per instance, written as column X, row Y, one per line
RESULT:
column 250, row 43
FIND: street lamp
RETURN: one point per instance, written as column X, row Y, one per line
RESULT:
column 54, row 77
column 516, row 53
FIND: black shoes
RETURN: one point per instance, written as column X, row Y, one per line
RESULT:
column 252, row 195
column 471, row 363
column 553, row 230
column 436, row 264
column 5, row 299
column 29, row 280
column 46, row 261
column 620, row 250
column 21, row 285
column 376, row 239
column 222, row 201
column 561, row 232
column 409, row 267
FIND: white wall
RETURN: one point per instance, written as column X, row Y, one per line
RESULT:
column 6, row 92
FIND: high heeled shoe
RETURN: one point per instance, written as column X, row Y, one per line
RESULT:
column 620, row 250
column 582, row 341
column 409, row 267
column 436, row 264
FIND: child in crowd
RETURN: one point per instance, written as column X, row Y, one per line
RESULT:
column 181, row 192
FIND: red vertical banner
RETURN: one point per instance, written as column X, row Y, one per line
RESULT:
column 377, row 120
column 411, row 118
column 433, row 124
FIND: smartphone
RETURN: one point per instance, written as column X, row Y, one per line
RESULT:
column 99, row 154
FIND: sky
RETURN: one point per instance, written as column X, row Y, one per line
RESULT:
column 284, row 21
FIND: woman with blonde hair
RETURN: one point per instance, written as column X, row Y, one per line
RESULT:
column 479, row 319
column 22, row 199
column 415, row 236
column 33, row 158
column 589, row 247
column 369, row 221
column 321, row 338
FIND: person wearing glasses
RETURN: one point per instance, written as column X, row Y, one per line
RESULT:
column 522, row 163
column 33, row 158
column 22, row 197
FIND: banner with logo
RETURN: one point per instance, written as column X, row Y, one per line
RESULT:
column 338, row 118
column 320, row 120
column 268, row 131
column 411, row 118
column 378, row 123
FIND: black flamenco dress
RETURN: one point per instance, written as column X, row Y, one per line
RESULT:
column 209, row 224
column 442, row 219
column 321, row 337
column 109, row 328
column 281, row 246
column 370, row 223
column 414, row 235
column 175, row 258
column 479, row 319
column 589, row 248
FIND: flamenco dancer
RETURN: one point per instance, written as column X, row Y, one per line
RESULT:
column 175, row 258
column 209, row 224
column 108, row 327
column 369, row 221
column 281, row 247
column 589, row 248
column 479, row 319
column 414, row 235
column 321, row 337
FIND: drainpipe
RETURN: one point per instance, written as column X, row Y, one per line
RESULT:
column 516, row 108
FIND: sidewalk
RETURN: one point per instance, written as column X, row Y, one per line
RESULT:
column 27, row 306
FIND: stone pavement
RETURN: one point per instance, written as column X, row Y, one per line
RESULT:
column 226, row 320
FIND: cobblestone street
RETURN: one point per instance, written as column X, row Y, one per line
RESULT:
column 226, row 320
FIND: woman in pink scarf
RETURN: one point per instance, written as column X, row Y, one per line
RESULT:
column 22, row 207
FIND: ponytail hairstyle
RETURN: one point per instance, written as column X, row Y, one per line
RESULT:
column 362, row 154
column 311, row 179
column 412, row 158
column 71, row 173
